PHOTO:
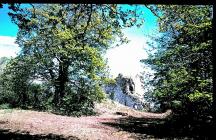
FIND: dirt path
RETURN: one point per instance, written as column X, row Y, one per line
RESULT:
column 91, row 127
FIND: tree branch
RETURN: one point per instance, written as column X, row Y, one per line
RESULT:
column 160, row 18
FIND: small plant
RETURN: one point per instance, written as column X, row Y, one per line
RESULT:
column 112, row 95
column 5, row 106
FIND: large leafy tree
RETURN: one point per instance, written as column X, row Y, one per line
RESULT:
column 66, row 43
column 183, row 60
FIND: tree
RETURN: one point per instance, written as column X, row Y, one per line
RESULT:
column 183, row 61
column 15, row 80
column 66, row 43
column 3, row 62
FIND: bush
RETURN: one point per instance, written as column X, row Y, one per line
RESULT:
column 5, row 106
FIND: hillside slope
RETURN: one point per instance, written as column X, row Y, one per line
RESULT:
column 27, row 124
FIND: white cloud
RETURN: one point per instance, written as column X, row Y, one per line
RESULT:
column 123, row 59
column 126, row 58
column 8, row 47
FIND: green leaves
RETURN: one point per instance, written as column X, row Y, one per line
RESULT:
column 197, row 96
column 63, row 45
column 182, row 64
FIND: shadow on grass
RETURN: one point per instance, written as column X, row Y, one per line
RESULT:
column 146, row 128
column 7, row 135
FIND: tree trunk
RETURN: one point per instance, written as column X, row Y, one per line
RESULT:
column 23, row 99
column 60, row 83
column 56, row 94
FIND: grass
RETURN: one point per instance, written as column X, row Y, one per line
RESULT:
column 27, row 124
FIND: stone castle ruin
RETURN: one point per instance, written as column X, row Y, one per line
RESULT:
column 124, row 92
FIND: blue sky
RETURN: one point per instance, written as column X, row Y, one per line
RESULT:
column 123, row 59
column 7, row 28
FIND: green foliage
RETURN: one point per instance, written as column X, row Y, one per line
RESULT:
column 15, row 81
column 62, row 45
column 199, row 96
column 5, row 106
column 3, row 62
column 182, row 62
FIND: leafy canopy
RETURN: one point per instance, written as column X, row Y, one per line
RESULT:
column 62, row 45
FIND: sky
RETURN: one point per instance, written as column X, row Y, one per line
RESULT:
column 123, row 59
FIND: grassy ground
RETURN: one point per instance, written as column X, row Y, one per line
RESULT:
column 113, row 122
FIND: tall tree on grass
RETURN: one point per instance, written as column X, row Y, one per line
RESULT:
column 183, row 61
column 67, row 43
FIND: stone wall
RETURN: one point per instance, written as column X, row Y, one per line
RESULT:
column 123, row 91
